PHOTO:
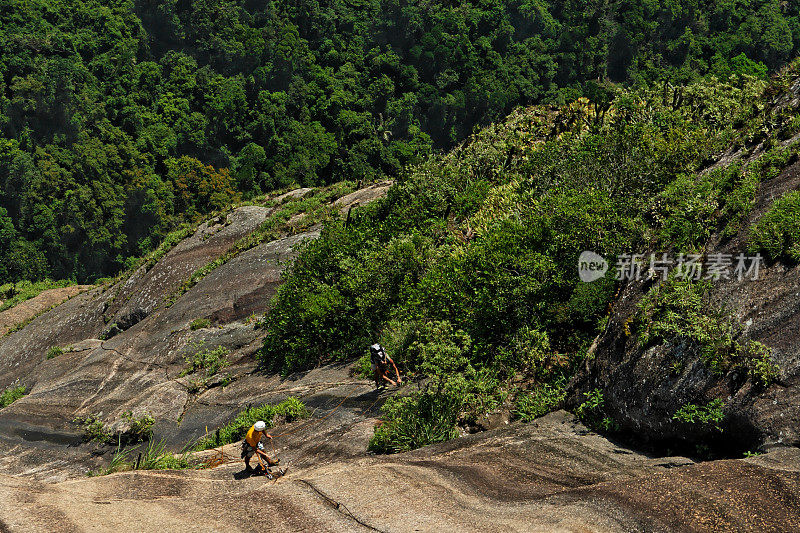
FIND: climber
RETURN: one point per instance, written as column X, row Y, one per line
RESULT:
column 252, row 445
column 380, row 366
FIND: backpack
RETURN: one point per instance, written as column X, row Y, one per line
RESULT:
column 378, row 354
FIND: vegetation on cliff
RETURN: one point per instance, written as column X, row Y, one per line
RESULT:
column 466, row 271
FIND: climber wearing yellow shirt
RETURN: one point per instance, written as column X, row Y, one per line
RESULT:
column 252, row 444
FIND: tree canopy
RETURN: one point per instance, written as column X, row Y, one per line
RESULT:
column 119, row 118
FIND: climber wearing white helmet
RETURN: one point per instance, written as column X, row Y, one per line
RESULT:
column 252, row 445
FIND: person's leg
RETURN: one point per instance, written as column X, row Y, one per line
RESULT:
column 268, row 459
column 247, row 453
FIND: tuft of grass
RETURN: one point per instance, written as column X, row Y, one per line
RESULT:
column 154, row 457
column 54, row 351
column 289, row 410
column 199, row 323
column 11, row 395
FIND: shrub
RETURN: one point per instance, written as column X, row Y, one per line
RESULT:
column 591, row 413
column 363, row 367
column 289, row 410
column 415, row 421
column 94, row 429
column 777, row 233
column 457, row 392
column 199, row 323
column 212, row 361
column 708, row 415
column 11, row 395
column 54, row 351
column 139, row 429
column 538, row 402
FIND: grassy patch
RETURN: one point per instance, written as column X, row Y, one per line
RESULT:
column 538, row 402
column 11, row 395
column 54, row 351
column 13, row 294
column 777, row 233
column 132, row 430
column 199, row 323
column 288, row 410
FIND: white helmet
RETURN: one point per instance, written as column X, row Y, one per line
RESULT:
column 260, row 425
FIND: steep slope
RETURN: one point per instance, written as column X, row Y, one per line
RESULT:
column 552, row 475
column 646, row 383
column 139, row 367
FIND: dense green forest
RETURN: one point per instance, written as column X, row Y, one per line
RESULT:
column 121, row 118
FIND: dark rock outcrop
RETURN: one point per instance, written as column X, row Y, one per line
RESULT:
column 643, row 388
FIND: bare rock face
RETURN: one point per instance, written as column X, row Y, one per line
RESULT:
column 643, row 390
column 148, row 337
column 146, row 289
column 363, row 196
column 550, row 475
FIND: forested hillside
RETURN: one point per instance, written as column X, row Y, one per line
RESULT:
column 120, row 119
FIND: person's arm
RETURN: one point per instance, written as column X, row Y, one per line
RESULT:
column 397, row 372
column 385, row 376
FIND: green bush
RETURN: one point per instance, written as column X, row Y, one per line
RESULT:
column 538, row 402
column 94, row 429
column 199, row 323
column 363, row 367
column 591, row 412
column 139, row 429
column 415, row 421
column 211, row 361
column 11, row 395
column 54, row 351
column 289, row 410
column 777, row 233
column 710, row 414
